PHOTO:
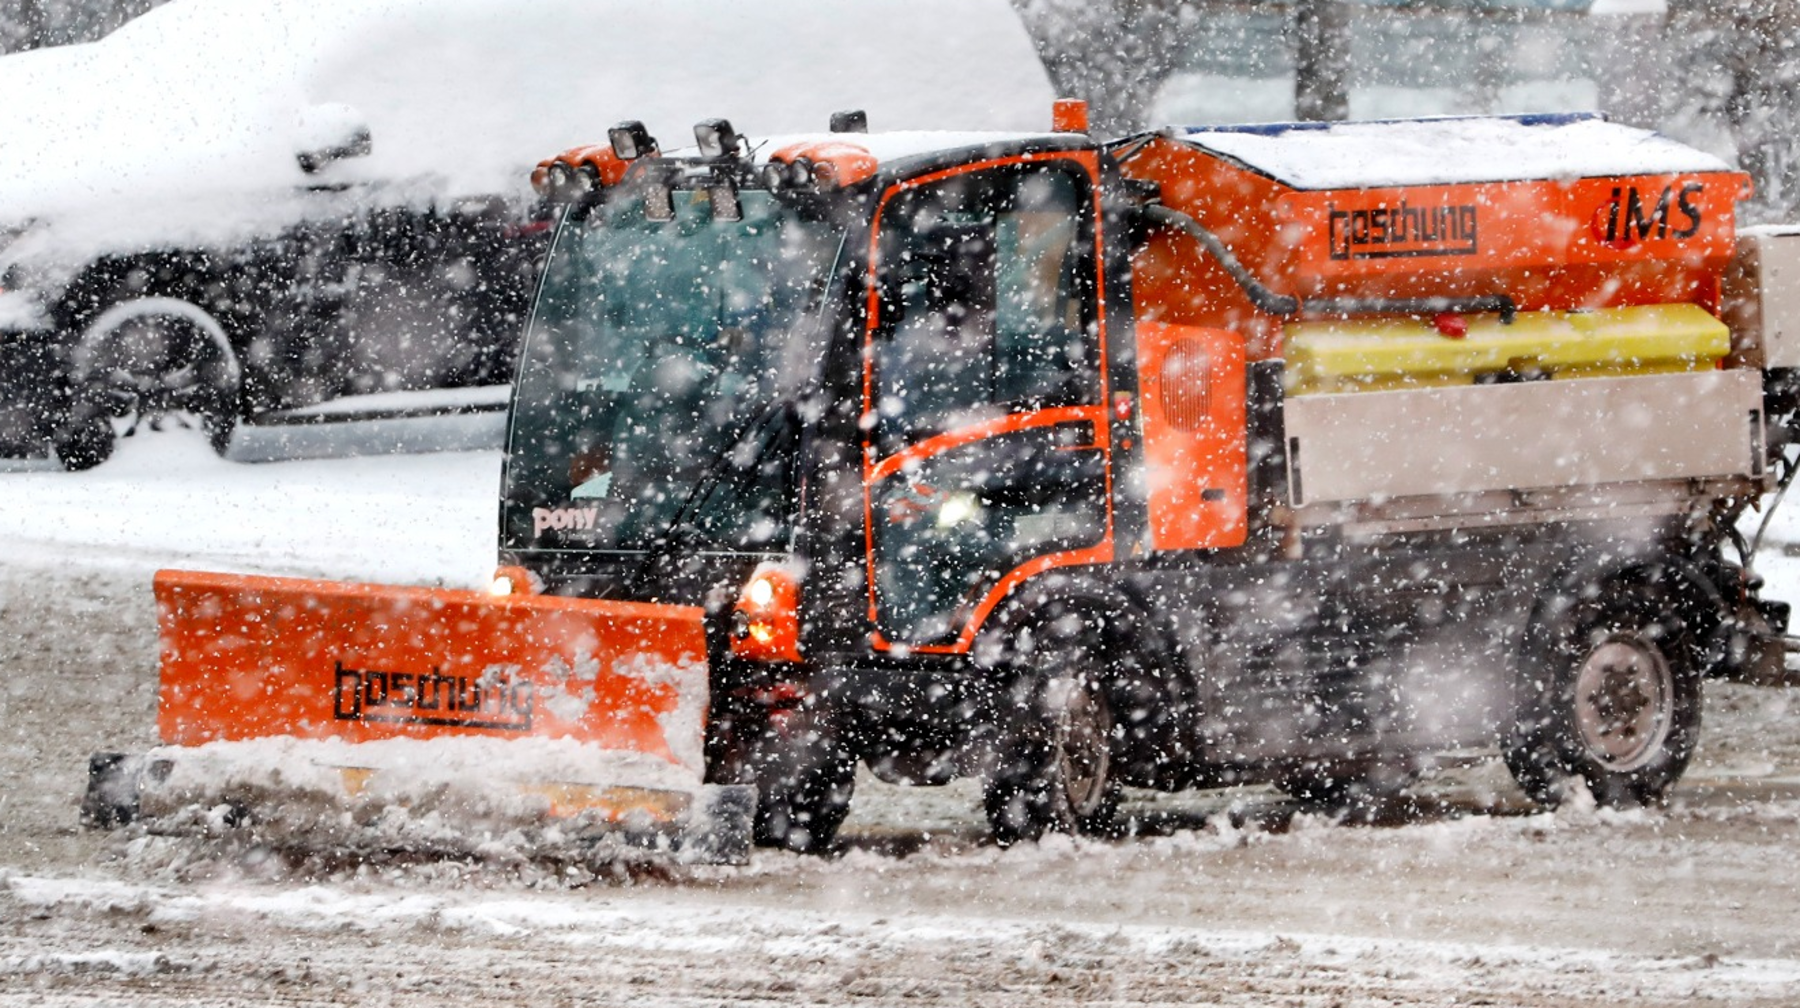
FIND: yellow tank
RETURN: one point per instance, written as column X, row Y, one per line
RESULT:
column 1353, row 355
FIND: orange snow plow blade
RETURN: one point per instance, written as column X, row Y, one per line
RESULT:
column 489, row 709
column 246, row 657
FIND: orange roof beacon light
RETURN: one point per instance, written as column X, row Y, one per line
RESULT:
column 765, row 623
column 822, row 164
column 574, row 173
column 1069, row 115
column 580, row 170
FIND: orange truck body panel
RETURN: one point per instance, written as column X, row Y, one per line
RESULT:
column 1550, row 244
column 248, row 657
column 1194, row 414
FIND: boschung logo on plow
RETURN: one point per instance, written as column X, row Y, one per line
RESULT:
column 492, row 700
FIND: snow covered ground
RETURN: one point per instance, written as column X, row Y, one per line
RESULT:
column 1464, row 895
column 166, row 500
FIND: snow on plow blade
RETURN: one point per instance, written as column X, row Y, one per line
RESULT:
column 325, row 714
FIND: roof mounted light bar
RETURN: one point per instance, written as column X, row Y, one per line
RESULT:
column 716, row 139
column 722, row 170
column 630, row 140
column 850, row 121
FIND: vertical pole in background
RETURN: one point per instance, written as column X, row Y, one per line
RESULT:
column 1321, row 60
column 22, row 26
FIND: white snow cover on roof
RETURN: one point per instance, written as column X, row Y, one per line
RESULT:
column 1605, row 8
column 218, row 96
column 1451, row 150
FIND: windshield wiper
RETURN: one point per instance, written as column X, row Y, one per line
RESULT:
column 680, row 530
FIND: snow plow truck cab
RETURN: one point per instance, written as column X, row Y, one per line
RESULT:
column 1310, row 455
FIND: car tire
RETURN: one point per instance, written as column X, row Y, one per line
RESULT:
column 83, row 445
column 805, row 775
column 142, row 359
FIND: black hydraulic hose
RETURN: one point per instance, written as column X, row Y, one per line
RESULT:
column 1781, row 489
column 1273, row 303
column 1262, row 297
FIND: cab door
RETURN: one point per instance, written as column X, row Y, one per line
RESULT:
column 985, row 438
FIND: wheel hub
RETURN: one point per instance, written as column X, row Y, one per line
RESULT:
column 1085, row 752
column 1623, row 696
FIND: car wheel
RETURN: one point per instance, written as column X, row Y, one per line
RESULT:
column 1053, row 771
column 83, row 444
column 142, row 362
column 1610, row 698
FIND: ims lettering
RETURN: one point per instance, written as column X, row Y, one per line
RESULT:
column 1631, row 218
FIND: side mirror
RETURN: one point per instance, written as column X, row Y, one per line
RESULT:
column 330, row 133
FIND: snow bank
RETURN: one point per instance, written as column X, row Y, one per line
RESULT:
column 165, row 500
column 505, row 800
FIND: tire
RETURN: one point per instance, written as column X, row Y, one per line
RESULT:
column 1610, row 697
column 1053, row 771
column 85, row 444
column 804, row 776
column 140, row 361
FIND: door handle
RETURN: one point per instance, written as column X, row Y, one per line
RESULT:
column 1074, row 434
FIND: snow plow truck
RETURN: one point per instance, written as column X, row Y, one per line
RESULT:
column 1315, row 455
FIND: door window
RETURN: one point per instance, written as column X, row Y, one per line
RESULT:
column 986, row 430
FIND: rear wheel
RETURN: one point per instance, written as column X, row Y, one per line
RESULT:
column 1611, row 698
column 142, row 362
column 1054, row 766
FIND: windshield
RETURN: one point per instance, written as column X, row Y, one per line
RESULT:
column 656, row 387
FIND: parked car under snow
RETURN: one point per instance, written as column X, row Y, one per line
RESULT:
column 307, row 226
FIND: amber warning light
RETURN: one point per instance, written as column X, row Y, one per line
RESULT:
column 765, row 623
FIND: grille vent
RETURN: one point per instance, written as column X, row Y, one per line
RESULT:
column 1187, row 386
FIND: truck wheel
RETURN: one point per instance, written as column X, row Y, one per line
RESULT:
column 1053, row 773
column 804, row 776
column 140, row 361
column 1611, row 696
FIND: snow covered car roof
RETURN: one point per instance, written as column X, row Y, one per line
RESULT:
column 1448, row 151
column 210, row 96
